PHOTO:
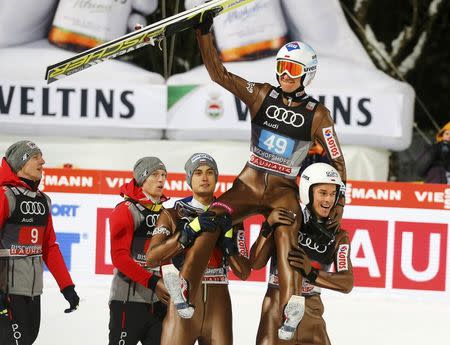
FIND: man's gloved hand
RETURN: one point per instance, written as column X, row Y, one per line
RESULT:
column 156, row 284
column 3, row 305
column 207, row 221
column 187, row 233
column 227, row 242
column 71, row 296
column 300, row 261
column 281, row 216
column 206, row 22
column 278, row 216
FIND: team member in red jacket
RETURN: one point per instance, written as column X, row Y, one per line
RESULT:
column 27, row 240
column 138, row 296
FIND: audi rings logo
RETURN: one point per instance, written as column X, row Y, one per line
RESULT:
column 151, row 219
column 283, row 115
column 32, row 207
column 305, row 241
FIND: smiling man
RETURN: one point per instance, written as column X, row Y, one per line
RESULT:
column 27, row 240
column 285, row 121
column 319, row 247
column 138, row 295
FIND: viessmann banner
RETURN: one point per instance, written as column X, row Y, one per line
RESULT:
column 399, row 231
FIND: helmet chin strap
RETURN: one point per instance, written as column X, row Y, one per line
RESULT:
column 297, row 95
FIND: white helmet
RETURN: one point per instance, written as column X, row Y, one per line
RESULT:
column 298, row 53
column 314, row 174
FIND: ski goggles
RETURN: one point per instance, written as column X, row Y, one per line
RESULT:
column 293, row 69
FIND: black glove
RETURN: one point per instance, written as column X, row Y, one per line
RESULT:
column 227, row 242
column 3, row 305
column 187, row 233
column 266, row 229
column 207, row 21
column 300, row 261
column 71, row 296
column 152, row 281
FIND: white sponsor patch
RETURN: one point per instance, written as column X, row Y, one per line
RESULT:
column 330, row 140
column 161, row 230
column 310, row 105
column 250, row 86
column 342, row 257
column 273, row 94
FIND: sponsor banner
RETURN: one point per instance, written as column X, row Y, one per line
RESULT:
column 392, row 247
column 255, row 30
column 358, row 193
column 360, row 118
column 84, row 109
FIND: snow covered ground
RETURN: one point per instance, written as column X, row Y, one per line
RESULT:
column 362, row 317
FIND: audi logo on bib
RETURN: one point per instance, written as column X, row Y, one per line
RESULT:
column 32, row 207
column 286, row 116
column 151, row 219
column 307, row 242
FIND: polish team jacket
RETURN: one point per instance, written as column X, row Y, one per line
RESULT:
column 27, row 238
column 131, row 224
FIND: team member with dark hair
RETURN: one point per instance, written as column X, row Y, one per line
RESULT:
column 319, row 247
column 138, row 295
column 211, row 323
column 27, row 240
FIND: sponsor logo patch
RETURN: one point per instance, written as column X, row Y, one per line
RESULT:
column 221, row 204
column 274, row 94
column 310, row 105
column 258, row 161
column 342, row 257
column 250, row 87
column 292, row 46
column 330, row 140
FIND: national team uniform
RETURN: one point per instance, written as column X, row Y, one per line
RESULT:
column 27, row 240
column 324, row 256
column 280, row 139
column 211, row 323
column 136, row 314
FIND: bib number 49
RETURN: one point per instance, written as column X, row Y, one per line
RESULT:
column 276, row 144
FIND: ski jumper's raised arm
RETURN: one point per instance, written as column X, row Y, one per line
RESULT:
column 252, row 94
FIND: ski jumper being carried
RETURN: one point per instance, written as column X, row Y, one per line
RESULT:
column 319, row 248
column 212, row 319
column 285, row 121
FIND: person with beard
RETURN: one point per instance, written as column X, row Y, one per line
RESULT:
column 27, row 241
column 285, row 121
column 319, row 247
column 138, row 296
